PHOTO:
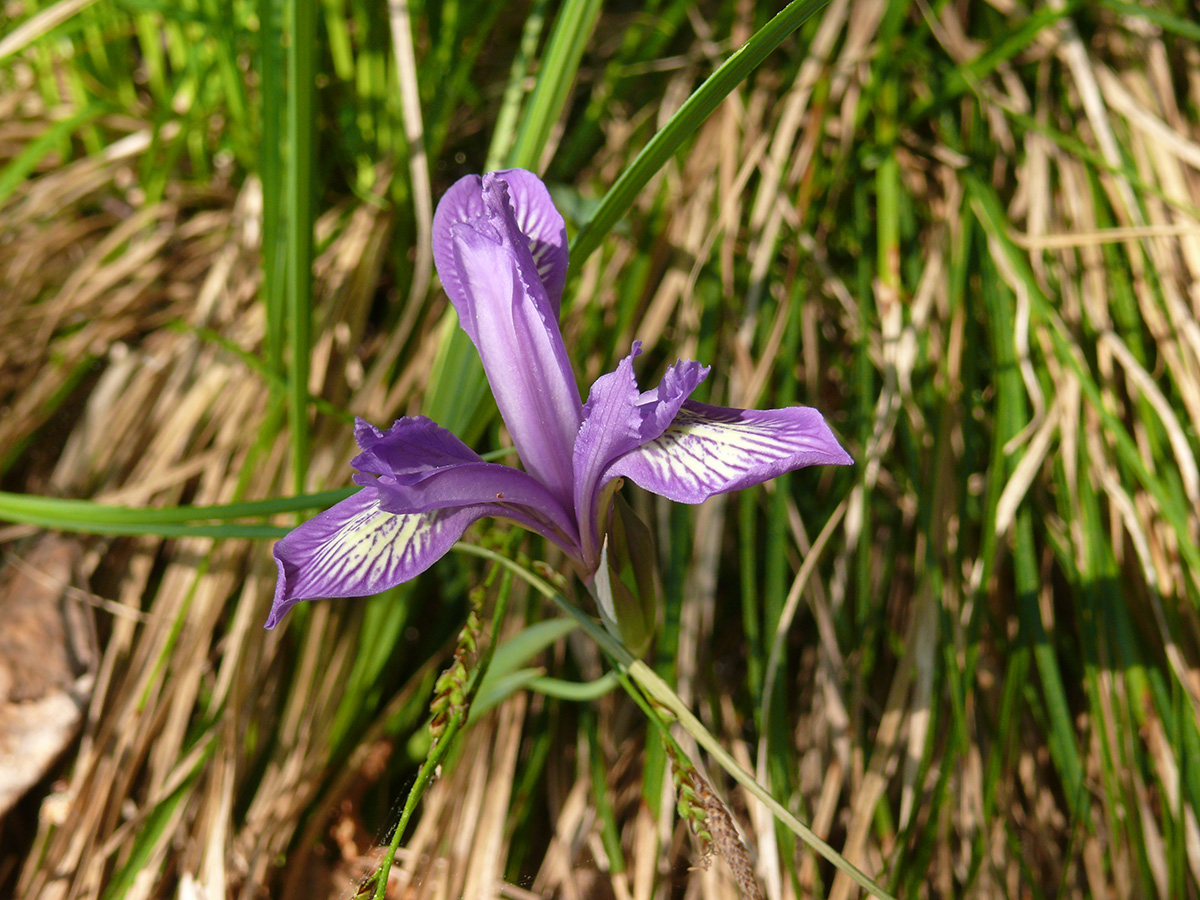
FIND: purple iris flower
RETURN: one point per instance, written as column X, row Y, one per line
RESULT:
column 501, row 251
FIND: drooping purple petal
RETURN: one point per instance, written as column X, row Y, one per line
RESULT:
column 355, row 549
column 471, row 484
column 422, row 488
column 617, row 419
column 418, row 466
column 713, row 449
column 490, row 275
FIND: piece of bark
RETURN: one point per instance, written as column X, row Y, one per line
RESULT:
column 48, row 660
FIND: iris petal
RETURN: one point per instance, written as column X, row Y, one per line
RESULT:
column 355, row 549
column 491, row 277
column 536, row 218
column 713, row 449
column 411, row 449
column 417, row 466
column 422, row 488
column 470, row 484
column 618, row 419
column 544, row 229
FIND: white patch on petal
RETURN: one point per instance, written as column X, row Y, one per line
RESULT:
column 375, row 548
column 698, row 453
column 541, row 257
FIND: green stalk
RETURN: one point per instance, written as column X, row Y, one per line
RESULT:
column 299, row 187
column 656, row 689
column 1011, row 417
column 270, row 170
column 457, row 721
column 564, row 50
column 610, row 833
column 51, row 512
column 514, row 92
column 698, row 107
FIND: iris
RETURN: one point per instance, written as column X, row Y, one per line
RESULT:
column 501, row 251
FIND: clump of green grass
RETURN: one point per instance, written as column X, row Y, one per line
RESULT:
column 969, row 233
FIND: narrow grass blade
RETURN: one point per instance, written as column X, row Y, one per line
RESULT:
column 21, row 166
column 694, row 111
column 85, row 515
column 572, row 29
column 514, row 92
column 273, row 98
column 39, row 25
column 301, row 143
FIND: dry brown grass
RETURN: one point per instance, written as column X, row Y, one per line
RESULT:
column 113, row 383
column 113, row 388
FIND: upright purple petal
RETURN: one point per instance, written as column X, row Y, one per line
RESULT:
column 489, row 273
column 544, row 229
column 713, row 449
column 536, row 216
column 355, row 549
column 617, row 419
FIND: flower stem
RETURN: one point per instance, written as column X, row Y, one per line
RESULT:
column 649, row 682
column 457, row 719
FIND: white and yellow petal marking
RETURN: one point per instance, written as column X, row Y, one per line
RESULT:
column 710, row 450
column 355, row 549
column 373, row 548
